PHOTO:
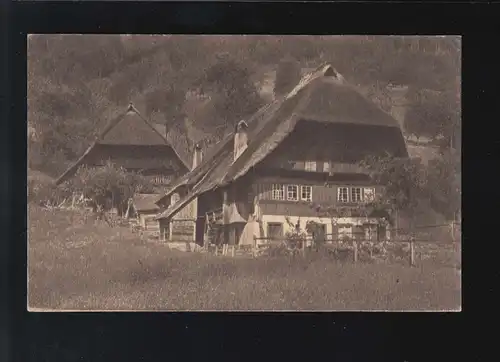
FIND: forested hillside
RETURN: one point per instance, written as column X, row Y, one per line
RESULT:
column 199, row 86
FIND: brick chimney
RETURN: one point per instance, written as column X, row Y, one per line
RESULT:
column 240, row 139
column 197, row 156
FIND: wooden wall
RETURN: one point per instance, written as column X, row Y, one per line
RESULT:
column 183, row 230
column 320, row 192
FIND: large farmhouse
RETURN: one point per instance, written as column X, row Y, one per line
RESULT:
column 131, row 142
column 301, row 149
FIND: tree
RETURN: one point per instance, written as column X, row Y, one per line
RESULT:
column 232, row 94
column 403, row 180
column 287, row 76
column 109, row 186
column 444, row 184
column 434, row 114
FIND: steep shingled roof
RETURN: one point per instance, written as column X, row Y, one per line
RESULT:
column 128, row 128
column 322, row 96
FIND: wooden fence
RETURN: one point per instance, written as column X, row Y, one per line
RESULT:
column 338, row 243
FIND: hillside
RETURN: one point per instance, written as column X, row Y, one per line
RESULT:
column 198, row 86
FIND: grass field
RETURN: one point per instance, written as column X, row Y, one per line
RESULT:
column 78, row 264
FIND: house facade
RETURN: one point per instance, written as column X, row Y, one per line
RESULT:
column 131, row 142
column 295, row 155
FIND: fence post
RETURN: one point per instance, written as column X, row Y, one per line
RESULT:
column 412, row 252
column 355, row 251
column 232, row 251
column 254, row 247
column 304, row 247
column 216, row 250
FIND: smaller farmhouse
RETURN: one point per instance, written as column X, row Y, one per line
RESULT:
column 131, row 142
column 299, row 150
column 142, row 207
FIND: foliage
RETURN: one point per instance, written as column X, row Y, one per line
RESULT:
column 317, row 232
column 287, row 76
column 108, row 186
column 433, row 114
column 47, row 193
column 76, row 82
column 232, row 95
column 444, row 184
column 297, row 236
column 403, row 180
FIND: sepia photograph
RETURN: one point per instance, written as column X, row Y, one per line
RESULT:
column 244, row 173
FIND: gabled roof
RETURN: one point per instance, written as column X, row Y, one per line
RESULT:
column 128, row 128
column 321, row 96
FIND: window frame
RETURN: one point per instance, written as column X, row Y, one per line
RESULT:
column 311, row 166
column 278, row 224
column 296, row 193
column 339, row 193
column 352, row 189
column 306, row 187
column 278, row 189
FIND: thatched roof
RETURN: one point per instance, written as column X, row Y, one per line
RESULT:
column 222, row 152
column 128, row 129
column 321, row 96
column 145, row 202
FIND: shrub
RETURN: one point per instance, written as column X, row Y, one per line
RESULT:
column 109, row 186
column 318, row 233
column 46, row 193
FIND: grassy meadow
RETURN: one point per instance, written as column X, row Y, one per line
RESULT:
column 77, row 263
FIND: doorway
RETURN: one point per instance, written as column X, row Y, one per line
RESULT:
column 274, row 230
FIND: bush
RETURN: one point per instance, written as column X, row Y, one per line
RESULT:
column 46, row 193
column 109, row 186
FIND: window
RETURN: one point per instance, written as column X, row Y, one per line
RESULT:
column 356, row 195
column 159, row 180
column 358, row 232
column 342, row 194
column 278, row 192
column 344, row 232
column 326, row 167
column 274, row 230
column 310, row 166
column 369, row 194
column 306, row 193
column 292, row 193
